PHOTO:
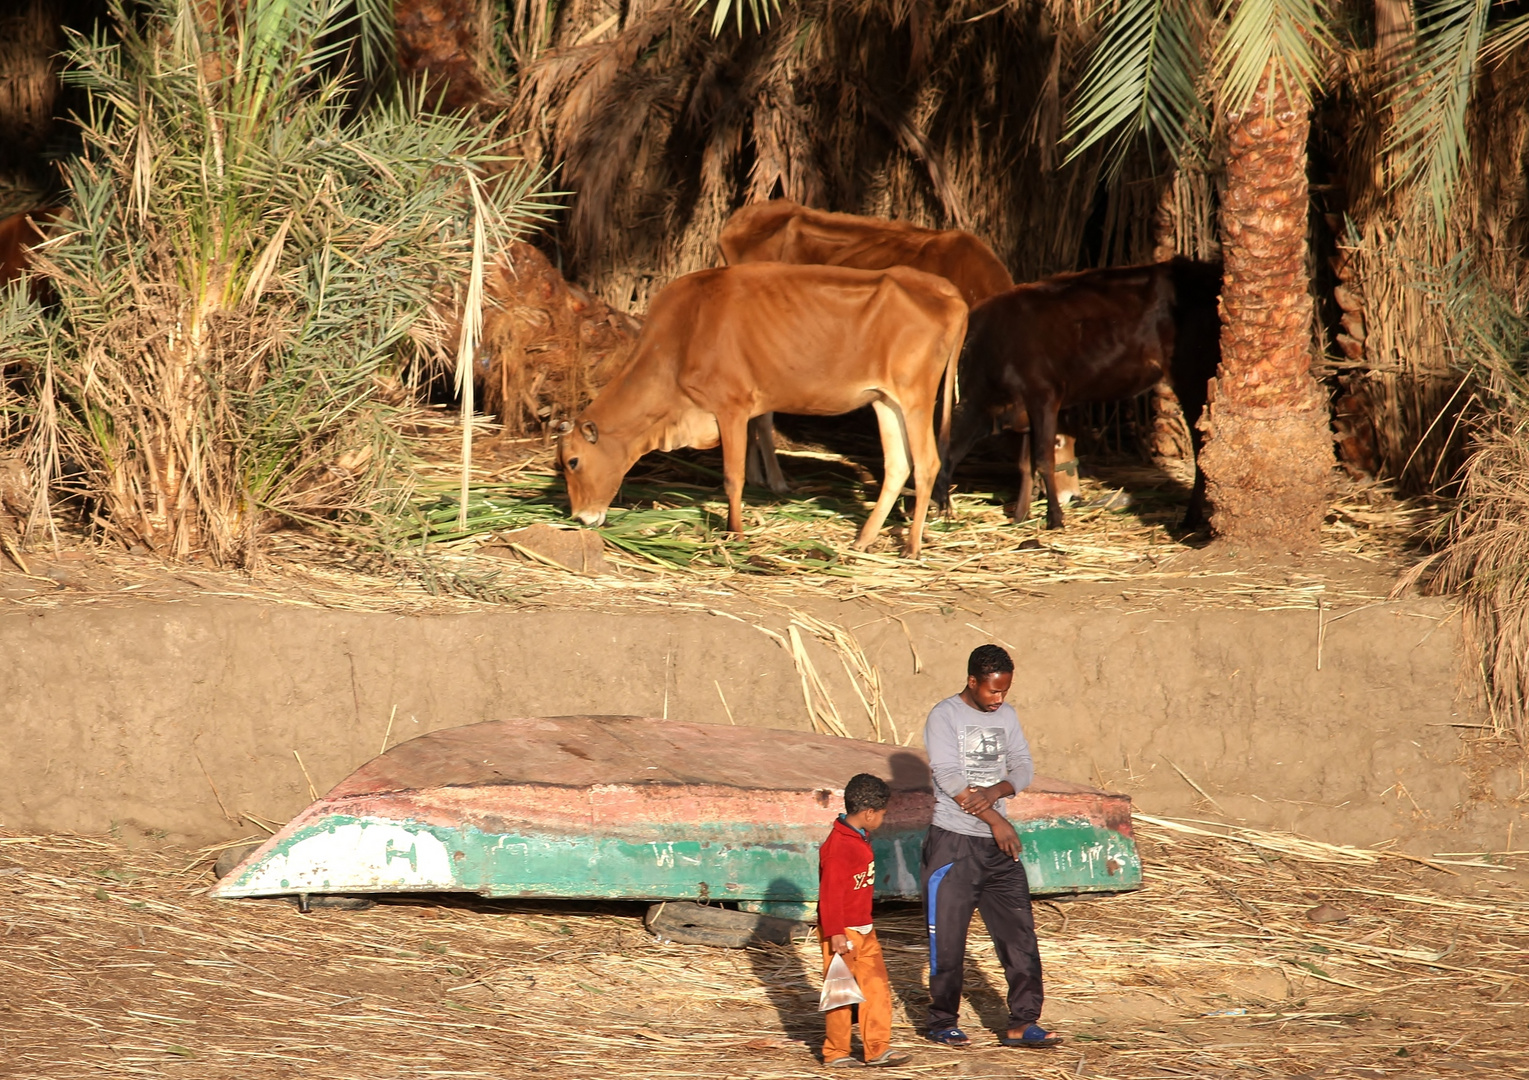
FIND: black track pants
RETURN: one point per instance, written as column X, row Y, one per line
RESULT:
column 966, row 873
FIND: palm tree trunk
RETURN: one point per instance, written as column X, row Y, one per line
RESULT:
column 1269, row 450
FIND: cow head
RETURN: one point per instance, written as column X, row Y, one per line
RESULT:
column 1068, row 488
column 593, row 468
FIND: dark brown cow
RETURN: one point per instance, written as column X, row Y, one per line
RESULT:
column 1095, row 335
column 19, row 233
column 722, row 346
column 785, row 231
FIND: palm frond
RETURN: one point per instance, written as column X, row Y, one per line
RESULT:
column 1430, row 134
column 1505, row 39
column 1142, row 79
column 760, row 11
column 1269, row 43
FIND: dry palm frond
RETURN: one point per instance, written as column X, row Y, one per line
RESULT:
column 1486, row 559
column 914, row 111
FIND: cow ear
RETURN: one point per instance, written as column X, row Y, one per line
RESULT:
column 591, row 432
column 564, row 428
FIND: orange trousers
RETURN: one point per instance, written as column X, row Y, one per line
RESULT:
column 870, row 972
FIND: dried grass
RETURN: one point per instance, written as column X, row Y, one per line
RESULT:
column 117, row 963
column 796, row 550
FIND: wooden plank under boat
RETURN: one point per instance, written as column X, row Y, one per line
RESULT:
column 634, row 808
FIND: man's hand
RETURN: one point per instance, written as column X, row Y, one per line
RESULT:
column 1004, row 835
column 841, row 944
column 978, row 800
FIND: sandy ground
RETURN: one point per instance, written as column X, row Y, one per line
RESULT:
column 115, row 963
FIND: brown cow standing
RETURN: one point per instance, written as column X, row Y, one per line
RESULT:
column 1094, row 335
column 722, row 346
column 785, row 231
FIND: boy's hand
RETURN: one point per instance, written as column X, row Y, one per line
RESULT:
column 840, row 944
column 1007, row 839
column 978, row 800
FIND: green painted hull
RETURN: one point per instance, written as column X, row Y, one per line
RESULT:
column 1060, row 856
column 434, row 822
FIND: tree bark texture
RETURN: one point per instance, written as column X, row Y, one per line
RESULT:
column 1269, row 453
column 440, row 40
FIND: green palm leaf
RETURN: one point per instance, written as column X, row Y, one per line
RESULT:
column 1278, row 40
column 1141, row 79
column 1504, row 39
column 1430, row 135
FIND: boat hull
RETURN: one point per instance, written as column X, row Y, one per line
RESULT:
column 413, row 825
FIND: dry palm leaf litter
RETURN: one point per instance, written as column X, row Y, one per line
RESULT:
column 1248, row 954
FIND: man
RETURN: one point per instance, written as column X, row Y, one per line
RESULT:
column 979, row 757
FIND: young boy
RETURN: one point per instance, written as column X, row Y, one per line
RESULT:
column 846, row 880
column 979, row 757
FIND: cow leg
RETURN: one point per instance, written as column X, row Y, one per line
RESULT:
column 1026, row 478
column 763, row 464
column 734, row 432
column 924, row 448
column 1043, row 439
column 894, row 453
column 967, row 426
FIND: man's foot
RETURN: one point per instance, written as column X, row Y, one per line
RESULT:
column 954, row 1037
column 845, row 1062
column 1033, row 1037
column 891, row 1057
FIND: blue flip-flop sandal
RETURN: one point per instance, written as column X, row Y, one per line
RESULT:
column 952, row 1037
column 1034, row 1037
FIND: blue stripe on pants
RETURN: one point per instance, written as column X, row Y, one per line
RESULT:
column 934, row 893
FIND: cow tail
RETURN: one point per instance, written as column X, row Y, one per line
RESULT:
column 950, row 394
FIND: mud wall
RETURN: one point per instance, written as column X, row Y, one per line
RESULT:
column 176, row 718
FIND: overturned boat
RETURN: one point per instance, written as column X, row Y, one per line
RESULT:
column 634, row 808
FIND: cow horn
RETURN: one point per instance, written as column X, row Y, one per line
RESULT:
column 591, row 432
column 564, row 428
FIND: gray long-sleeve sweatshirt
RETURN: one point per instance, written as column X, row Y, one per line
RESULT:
column 968, row 747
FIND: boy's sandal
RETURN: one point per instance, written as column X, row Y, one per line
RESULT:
column 953, row 1037
column 890, row 1058
column 845, row 1062
column 1034, row 1037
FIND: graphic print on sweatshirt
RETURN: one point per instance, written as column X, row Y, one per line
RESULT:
column 983, row 755
column 867, row 879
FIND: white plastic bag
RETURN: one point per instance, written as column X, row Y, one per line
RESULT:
column 839, row 987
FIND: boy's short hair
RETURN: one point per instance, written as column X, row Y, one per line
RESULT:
column 866, row 792
column 988, row 660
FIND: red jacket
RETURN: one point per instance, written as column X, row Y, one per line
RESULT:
column 846, row 880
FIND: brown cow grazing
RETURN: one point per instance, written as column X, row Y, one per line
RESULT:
column 1095, row 335
column 722, row 346
column 785, row 231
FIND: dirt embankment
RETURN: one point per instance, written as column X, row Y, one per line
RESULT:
column 179, row 717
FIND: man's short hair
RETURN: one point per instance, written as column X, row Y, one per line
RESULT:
column 866, row 792
column 988, row 660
